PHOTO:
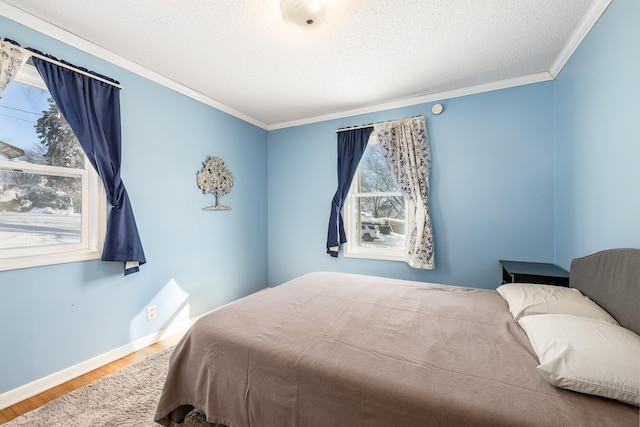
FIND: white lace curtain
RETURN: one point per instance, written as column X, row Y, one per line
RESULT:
column 404, row 144
column 12, row 57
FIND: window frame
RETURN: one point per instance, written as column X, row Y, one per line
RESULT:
column 94, row 208
column 352, row 248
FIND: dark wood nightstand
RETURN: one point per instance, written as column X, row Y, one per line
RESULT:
column 534, row 272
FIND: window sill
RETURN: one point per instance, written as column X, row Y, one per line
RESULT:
column 376, row 254
column 57, row 257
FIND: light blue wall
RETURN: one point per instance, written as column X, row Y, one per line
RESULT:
column 491, row 189
column 493, row 195
column 598, row 149
column 56, row 316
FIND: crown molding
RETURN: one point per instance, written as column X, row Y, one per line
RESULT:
column 421, row 99
column 77, row 42
column 588, row 21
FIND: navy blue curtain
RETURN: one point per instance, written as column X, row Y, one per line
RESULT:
column 92, row 109
column 351, row 146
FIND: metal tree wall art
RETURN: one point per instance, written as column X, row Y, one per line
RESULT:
column 214, row 178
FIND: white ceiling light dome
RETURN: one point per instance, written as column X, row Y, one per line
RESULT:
column 307, row 14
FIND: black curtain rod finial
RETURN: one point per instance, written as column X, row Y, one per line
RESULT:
column 13, row 42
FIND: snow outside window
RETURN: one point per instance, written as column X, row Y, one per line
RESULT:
column 376, row 213
column 52, row 202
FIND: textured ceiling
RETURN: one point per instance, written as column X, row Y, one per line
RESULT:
column 240, row 54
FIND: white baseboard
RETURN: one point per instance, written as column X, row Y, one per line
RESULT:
column 28, row 390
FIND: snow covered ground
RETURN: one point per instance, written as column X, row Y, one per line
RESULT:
column 34, row 229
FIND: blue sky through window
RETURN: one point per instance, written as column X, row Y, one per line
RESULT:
column 20, row 108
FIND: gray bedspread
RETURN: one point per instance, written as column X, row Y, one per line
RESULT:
column 332, row 349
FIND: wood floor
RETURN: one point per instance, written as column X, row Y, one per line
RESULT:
column 38, row 400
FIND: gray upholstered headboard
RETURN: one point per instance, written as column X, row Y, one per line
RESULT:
column 611, row 278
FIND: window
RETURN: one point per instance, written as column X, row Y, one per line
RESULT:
column 376, row 212
column 52, row 202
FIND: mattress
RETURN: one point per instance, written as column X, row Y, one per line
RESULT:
column 334, row 349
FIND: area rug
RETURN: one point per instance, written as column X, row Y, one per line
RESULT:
column 126, row 398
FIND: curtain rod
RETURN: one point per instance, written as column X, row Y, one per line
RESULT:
column 372, row 124
column 64, row 64
column 74, row 69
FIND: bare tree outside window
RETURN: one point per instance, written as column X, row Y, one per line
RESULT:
column 376, row 209
column 375, row 178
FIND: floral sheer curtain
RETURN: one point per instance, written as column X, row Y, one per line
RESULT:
column 12, row 58
column 404, row 144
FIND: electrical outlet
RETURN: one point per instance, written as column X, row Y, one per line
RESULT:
column 151, row 312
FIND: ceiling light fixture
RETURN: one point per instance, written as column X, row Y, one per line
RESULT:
column 307, row 14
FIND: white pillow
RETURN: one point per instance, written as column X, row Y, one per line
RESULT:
column 525, row 299
column 586, row 355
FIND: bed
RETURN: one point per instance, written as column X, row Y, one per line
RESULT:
column 335, row 349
